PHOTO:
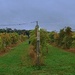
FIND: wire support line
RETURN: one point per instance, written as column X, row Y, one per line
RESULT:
column 17, row 24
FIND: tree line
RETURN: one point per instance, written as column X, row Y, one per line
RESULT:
column 19, row 31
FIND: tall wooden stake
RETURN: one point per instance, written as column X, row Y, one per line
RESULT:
column 38, row 44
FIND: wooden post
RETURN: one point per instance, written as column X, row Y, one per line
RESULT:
column 38, row 44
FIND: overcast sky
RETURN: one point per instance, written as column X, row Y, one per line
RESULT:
column 51, row 14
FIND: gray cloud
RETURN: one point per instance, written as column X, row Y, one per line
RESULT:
column 51, row 14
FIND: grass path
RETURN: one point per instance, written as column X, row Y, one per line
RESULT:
column 17, row 62
column 60, row 62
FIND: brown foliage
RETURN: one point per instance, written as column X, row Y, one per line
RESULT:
column 32, row 53
column 33, row 56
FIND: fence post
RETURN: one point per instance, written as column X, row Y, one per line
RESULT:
column 38, row 44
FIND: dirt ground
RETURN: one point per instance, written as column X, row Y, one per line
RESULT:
column 71, row 50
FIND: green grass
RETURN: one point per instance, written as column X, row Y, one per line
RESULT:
column 60, row 62
column 17, row 62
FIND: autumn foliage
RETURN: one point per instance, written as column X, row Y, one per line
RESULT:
column 64, row 38
column 7, row 39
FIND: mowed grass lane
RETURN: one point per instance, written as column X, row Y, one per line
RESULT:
column 60, row 62
column 17, row 62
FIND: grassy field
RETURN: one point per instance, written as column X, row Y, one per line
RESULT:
column 17, row 62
